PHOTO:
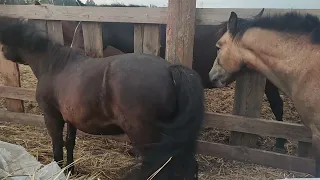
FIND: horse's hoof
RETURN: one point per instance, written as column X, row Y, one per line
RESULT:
column 279, row 150
column 71, row 170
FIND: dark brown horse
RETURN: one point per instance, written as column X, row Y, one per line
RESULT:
column 121, row 36
column 159, row 106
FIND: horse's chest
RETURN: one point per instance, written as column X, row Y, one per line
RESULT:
column 73, row 106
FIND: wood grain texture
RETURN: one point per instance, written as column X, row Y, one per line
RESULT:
column 248, row 101
column 11, row 74
column 55, row 31
column 263, row 127
column 92, row 35
column 180, row 31
column 18, row 93
column 267, row 158
column 147, row 39
column 138, row 38
column 205, row 16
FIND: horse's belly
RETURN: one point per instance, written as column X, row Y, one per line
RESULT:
column 97, row 126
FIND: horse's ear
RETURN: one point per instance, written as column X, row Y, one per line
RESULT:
column 37, row 3
column 259, row 15
column 233, row 22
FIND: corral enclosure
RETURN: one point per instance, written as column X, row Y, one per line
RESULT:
column 244, row 123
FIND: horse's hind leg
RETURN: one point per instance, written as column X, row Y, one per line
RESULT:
column 276, row 104
column 70, row 143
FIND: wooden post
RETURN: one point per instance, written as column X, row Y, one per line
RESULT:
column 248, row 101
column 180, row 31
column 147, row 39
column 92, row 36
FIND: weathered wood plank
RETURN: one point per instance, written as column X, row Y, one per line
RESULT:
column 206, row 16
column 11, row 74
column 151, row 40
column 263, row 127
column 138, row 38
column 267, row 158
column 147, row 39
column 248, row 101
column 180, row 31
column 18, row 93
column 55, row 31
column 92, row 35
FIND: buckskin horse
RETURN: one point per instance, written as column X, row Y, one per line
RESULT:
column 160, row 106
column 121, row 36
column 277, row 46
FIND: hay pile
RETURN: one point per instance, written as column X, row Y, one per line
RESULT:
column 108, row 159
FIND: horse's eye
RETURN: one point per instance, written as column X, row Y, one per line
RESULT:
column 218, row 48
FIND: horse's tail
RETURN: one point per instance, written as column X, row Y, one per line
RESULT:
column 179, row 137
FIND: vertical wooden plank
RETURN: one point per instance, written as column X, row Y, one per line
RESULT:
column 151, row 39
column 55, row 31
column 147, row 39
column 180, row 31
column 138, row 38
column 248, row 101
column 92, row 35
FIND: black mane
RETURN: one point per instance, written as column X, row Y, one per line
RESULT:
column 291, row 22
column 18, row 33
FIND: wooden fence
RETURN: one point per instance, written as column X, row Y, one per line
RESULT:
column 245, row 123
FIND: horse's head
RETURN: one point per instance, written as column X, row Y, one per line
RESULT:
column 20, row 35
column 228, row 62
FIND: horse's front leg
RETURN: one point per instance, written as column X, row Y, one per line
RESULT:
column 276, row 104
column 55, row 129
column 70, row 143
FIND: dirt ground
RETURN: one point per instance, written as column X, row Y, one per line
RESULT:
column 108, row 159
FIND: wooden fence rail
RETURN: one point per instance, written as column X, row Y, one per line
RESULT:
column 147, row 40
column 204, row 16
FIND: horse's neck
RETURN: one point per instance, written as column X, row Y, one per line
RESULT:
column 279, row 57
column 54, row 59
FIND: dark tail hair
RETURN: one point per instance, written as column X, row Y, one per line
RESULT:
column 179, row 138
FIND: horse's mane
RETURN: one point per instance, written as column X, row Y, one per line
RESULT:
column 19, row 33
column 291, row 22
